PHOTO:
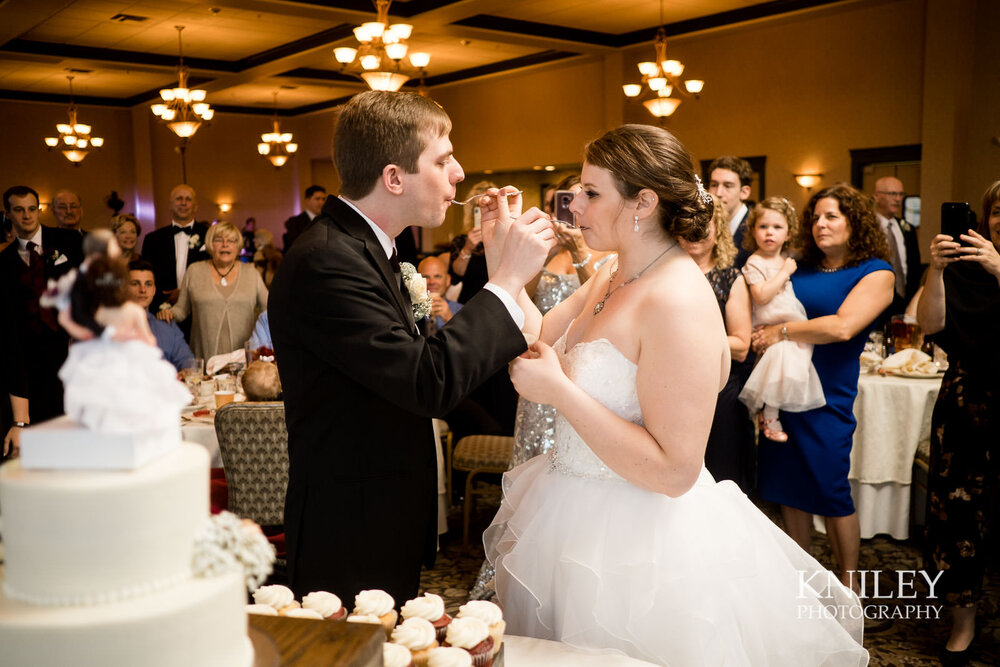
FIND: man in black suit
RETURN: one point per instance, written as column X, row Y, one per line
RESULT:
column 37, row 255
column 172, row 249
column 312, row 204
column 729, row 179
column 360, row 382
column 904, row 247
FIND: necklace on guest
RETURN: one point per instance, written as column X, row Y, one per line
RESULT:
column 222, row 276
column 600, row 304
column 826, row 269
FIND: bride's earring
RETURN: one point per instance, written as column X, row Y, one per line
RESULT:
column 636, row 228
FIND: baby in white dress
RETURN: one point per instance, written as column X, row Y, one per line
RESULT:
column 784, row 377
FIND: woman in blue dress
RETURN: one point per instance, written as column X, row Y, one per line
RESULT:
column 844, row 284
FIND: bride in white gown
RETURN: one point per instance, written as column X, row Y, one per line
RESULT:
column 619, row 538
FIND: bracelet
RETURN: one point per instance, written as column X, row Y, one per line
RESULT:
column 586, row 260
column 21, row 424
column 784, row 331
column 465, row 255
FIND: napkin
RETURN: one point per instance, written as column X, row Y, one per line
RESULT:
column 218, row 361
column 870, row 361
column 909, row 361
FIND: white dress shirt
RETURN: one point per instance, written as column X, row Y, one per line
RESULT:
column 181, row 248
column 734, row 222
column 891, row 228
column 22, row 246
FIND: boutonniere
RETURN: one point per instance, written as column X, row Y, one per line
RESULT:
column 905, row 226
column 193, row 241
column 417, row 287
column 53, row 258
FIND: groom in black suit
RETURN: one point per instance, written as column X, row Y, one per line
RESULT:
column 360, row 382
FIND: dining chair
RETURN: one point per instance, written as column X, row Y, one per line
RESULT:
column 477, row 455
column 253, row 442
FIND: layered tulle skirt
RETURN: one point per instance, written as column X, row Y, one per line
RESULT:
column 785, row 378
column 702, row 579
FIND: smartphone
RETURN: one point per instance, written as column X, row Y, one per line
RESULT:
column 560, row 205
column 957, row 218
column 477, row 217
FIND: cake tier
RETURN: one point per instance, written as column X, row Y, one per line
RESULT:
column 89, row 537
column 197, row 622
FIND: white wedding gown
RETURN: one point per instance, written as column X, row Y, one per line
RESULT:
column 584, row 557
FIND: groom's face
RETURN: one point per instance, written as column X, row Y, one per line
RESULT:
column 429, row 191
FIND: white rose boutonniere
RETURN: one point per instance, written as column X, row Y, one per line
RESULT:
column 417, row 287
column 193, row 241
column 905, row 226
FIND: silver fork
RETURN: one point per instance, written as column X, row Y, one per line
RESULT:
column 475, row 197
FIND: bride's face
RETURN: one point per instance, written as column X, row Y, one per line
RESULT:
column 598, row 208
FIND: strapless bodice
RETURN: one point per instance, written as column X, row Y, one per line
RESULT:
column 605, row 374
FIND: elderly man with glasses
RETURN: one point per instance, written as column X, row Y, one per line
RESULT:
column 904, row 248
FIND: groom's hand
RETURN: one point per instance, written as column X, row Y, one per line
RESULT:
column 525, row 249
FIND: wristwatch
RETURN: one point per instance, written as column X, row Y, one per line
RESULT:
column 784, row 331
column 21, row 424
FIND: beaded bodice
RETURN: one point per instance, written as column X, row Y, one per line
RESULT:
column 605, row 374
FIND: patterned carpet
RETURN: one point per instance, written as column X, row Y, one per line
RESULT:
column 891, row 641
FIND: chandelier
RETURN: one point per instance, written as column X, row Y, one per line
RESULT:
column 183, row 110
column 663, row 76
column 74, row 137
column 378, row 60
column 277, row 146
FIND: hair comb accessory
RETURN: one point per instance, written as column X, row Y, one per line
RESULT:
column 703, row 194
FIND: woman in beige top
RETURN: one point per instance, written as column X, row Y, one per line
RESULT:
column 221, row 294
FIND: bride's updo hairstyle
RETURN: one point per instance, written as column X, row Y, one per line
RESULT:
column 646, row 157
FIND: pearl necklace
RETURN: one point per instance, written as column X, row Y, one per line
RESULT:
column 600, row 304
column 222, row 277
column 825, row 269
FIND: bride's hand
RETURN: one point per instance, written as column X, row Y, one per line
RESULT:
column 537, row 375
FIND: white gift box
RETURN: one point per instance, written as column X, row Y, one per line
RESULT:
column 63, row 444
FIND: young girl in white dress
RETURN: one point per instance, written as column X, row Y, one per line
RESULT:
column 618, row 539
column 784, row 377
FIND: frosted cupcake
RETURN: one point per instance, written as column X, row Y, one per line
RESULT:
column 418, row 635
column 327, row 604
column 472, row 635
column 279, row 597
column 488, row 613
column 261, row 610
column 430, row 607
column 396, row 655
column 377, row 603
column 303, row 613
column 449, row 656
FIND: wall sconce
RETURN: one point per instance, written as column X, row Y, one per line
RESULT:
column 808, row 181
column 225, row 208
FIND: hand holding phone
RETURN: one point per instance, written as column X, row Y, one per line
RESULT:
column 560, row 205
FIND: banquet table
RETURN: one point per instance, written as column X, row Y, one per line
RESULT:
column 894, row 421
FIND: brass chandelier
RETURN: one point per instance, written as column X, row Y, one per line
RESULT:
column 379, row 58
column 74, row 137
column 277, row 146
column 183, row 110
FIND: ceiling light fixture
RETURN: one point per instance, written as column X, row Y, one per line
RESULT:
column 277, row 146
column 378, row 60
column 183, row 110
column 74, row 137
column 663, row 76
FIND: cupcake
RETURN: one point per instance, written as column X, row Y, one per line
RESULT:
column 449, row 656
column 472, row 635
column 430, row 607
column 364, row 618
column 396, row 655
column 327, row 604
column 488, row 613
column 303, row 613
column 279, row 597
column 261, row 610
column 418, row 635
column 377, row 603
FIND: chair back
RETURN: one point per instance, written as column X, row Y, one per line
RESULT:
column 253, row 442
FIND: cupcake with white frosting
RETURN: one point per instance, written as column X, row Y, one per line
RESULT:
column 418, row 635
column 279, row 597
column 303, row 613
column 490, row 614
column 327, row 604
column 449, row 656
column 430, row 607
column 396, row 655
column 472, row 635
column 377, row 603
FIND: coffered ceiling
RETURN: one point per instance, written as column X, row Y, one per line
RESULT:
column 121, row 52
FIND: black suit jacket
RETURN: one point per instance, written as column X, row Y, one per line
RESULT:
column 294, row 227
column 742, row 254
column 360, row 386
column 44, row 350
column 158, row 250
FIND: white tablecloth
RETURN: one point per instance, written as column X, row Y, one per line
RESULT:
column 527, row 652
column 894, row 419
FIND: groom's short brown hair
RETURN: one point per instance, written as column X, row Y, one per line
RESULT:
column 377, row 128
